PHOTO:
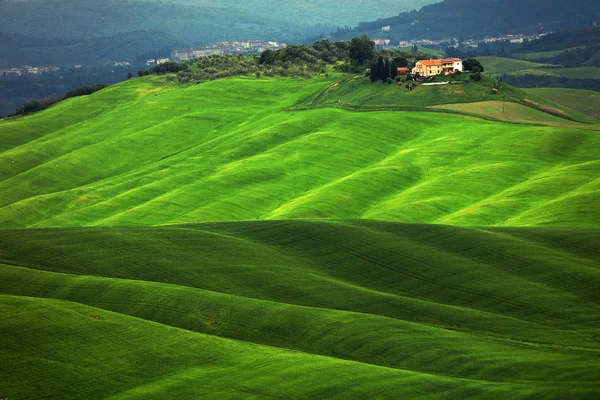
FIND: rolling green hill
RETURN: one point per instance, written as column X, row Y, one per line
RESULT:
column 301, row 309
column 322, row 238
column 584, row 101
column 146, row 153
column 499, row 66
column 526, row 74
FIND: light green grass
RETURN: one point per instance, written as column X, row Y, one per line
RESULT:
column 513, row 112
column 545, row 54
column 427, row 50
column 317, row 309
column 583, row 101
column 359, row 94
column 231, row 150
column 574, row 73
column 304, row 285
column 500, row 65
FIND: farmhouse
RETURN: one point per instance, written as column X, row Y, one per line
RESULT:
column 436, row 67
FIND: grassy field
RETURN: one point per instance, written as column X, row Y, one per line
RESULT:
column 358, row 94
column 231, row 150
column 300, row 309
column 585, row 101
column 545, row 54
column 427, row 50
column 514, row 112
column 575, row 72
column 322, row 238
column 499, row 66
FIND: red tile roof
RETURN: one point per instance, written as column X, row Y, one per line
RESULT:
column 430, row 63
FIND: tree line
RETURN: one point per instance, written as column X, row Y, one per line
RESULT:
column 39, row 105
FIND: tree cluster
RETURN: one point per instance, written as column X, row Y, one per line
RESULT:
column 386, row 69
column 84, row 90
column 38, row 105
column 164, row 68
column 473, row 65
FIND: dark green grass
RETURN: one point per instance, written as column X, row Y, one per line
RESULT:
column 359, row 93
column 142, row 153
column 495, row 66
column 325, row 295
column 457, row 312
column 584, row 101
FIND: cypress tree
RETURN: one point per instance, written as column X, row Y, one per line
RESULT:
column 381, row 68
column 374, row 73
column 394, row 70
column 387, row 69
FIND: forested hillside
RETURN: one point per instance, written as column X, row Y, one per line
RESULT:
column 478, row 18
column 77, row 19
column 18, row 50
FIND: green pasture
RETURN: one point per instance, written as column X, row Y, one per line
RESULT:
column 495, row 66
column 323, row 238
column 513, row 112
column 332, row 309
column 359, row 93
column 545, row 54
column 233, row 150
column 427, row 50
column 584, row 101
column 499, row 65
column 574, row 72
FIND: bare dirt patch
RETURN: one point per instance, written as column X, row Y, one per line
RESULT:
column 546, row 109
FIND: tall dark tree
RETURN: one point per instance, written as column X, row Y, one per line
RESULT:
column 401, row 62
column 267, row 57
column 383, row 74
column 374, row 73
column 361, row 49
column 393, row 70
column 387, row 68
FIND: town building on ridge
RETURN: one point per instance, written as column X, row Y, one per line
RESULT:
column 432, row 67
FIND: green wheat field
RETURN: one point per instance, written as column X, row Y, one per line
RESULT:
column 322, row 238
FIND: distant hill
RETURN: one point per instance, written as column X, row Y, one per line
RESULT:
column 86, row 19
column 193, row 21
column 315, row 12
column 152, row 152
column 528, row 74
column 569, row 48
column 478, row 18
column 17, row 50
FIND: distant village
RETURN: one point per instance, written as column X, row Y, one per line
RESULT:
column 258, row 46
column 514, row 38
column 224, row 48
column 28, row 70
